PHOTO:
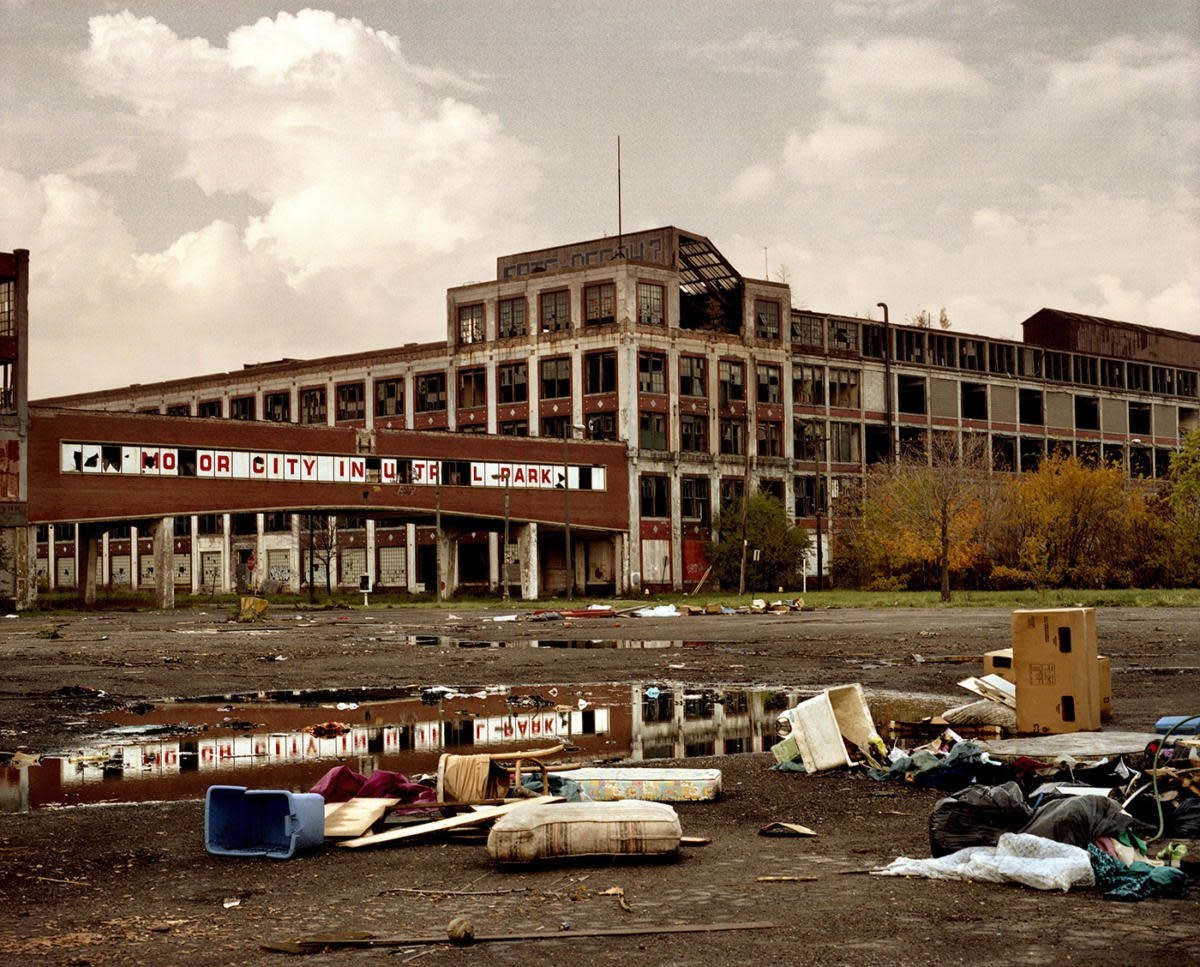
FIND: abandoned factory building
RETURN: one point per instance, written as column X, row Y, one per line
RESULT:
column 712, row 381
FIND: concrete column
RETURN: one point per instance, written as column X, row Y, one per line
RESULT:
column 620, row 564
column 88, row 540
column 410, row 557
column 163, row 534
column 527, row 549
column 447, row 562
column 24, row 550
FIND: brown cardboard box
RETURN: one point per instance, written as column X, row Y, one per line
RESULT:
column 1055, row 670
column 1000, row 662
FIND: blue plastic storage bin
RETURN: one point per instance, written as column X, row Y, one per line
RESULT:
column 1168, row 722
column 262, row 822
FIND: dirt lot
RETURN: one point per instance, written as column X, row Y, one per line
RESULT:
column 132, row 884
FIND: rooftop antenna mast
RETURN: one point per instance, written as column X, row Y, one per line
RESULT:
column 620, row 228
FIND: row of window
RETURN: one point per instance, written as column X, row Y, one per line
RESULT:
column 599, row 308
column 976, row 355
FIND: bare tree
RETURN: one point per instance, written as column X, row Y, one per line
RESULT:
column 322, row 542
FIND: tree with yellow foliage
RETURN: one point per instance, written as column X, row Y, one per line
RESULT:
column 929, row 510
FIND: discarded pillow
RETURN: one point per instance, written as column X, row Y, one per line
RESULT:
column 628, row 827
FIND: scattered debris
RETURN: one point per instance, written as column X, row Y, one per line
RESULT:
column 785, row 829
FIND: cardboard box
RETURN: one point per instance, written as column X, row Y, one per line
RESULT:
column 1055, row 670
column 1000, row 662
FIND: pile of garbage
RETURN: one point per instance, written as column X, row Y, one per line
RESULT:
column 1033, row 816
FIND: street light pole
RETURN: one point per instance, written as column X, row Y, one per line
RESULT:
column 887, row 382
column 504, row 592
column 568, row 432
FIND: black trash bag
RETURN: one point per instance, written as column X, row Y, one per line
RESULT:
column 976, row 816
column 1184, row 820
column 1079, row 820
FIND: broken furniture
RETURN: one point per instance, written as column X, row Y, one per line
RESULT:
column 487, row 777
column 822, row 725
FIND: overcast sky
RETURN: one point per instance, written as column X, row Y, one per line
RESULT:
column 207, row 184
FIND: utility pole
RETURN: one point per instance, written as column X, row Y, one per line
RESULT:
column 887, row 383
column 745, row 497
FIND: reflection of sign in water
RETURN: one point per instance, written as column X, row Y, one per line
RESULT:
column 10, row 469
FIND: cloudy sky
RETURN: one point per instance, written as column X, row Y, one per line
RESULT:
column 203, row 185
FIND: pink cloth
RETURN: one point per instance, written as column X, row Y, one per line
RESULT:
column 341, row 783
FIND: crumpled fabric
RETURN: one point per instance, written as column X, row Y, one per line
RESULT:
column 1137, row 881
column 965, row 763
column 1079, row 820
column 1017, row 858
column 341, row 783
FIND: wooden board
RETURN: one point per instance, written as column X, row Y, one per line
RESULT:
column 481, row 815
column 355, row 816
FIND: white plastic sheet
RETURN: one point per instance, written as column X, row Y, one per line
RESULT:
column 1017, row 858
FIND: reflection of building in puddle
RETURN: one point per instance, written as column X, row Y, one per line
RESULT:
column 685, row 721
column 437, row 641
column 404, row 735
column 289, row 744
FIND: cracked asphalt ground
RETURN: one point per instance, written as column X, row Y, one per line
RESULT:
column 133, row 884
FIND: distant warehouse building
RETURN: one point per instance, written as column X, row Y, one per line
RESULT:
column 713, row 381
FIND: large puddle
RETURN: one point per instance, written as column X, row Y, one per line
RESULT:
column 288, row 740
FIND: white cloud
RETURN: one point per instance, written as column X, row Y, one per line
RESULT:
column 875, row 77
column 334, row 171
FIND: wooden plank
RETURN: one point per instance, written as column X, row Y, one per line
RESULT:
column 315, row 944
column 355, row 816
column 481, row 815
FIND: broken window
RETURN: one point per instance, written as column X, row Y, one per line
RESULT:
column 843, row 442
column 8, row 308
column 277, row 407
column 430, row 391
column 1029, row 407
column 511, row 318
column 971, row 355
column 843, row 388
column 1087, row 413
column 209, row 409
column 1139, row 377
column 974, row 401
column 389, row 397
column 1057, row 366
column 910, row 345
column 652, row 373
column 472, row 387
column 650, row 304
column 693, row 376
column 1139, row 417
column 241, row 407
column 513, row 427
column 556, row 378
column 731, row 382
column 313, row 406
column 769, row 380
column 652, row 430
column 179, row 409
column 513, row 382
column 600, row 304
column 351, row 402
column 695, row 501
column 808, row 330
column 600, row 372
column 910, row 394
column 843, row 336
column 808, row 385
column 770, row 439
column 733, row 437
column 766, row 319
column 601, row 426
column 693, row 433
column 554, row 310
column 470, row 324
column 654, row 495
column 1002, row 359
column 1086, row 370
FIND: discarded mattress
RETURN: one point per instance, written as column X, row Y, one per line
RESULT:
column 585, row 829
column 1017, row 858
column 648, row 784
